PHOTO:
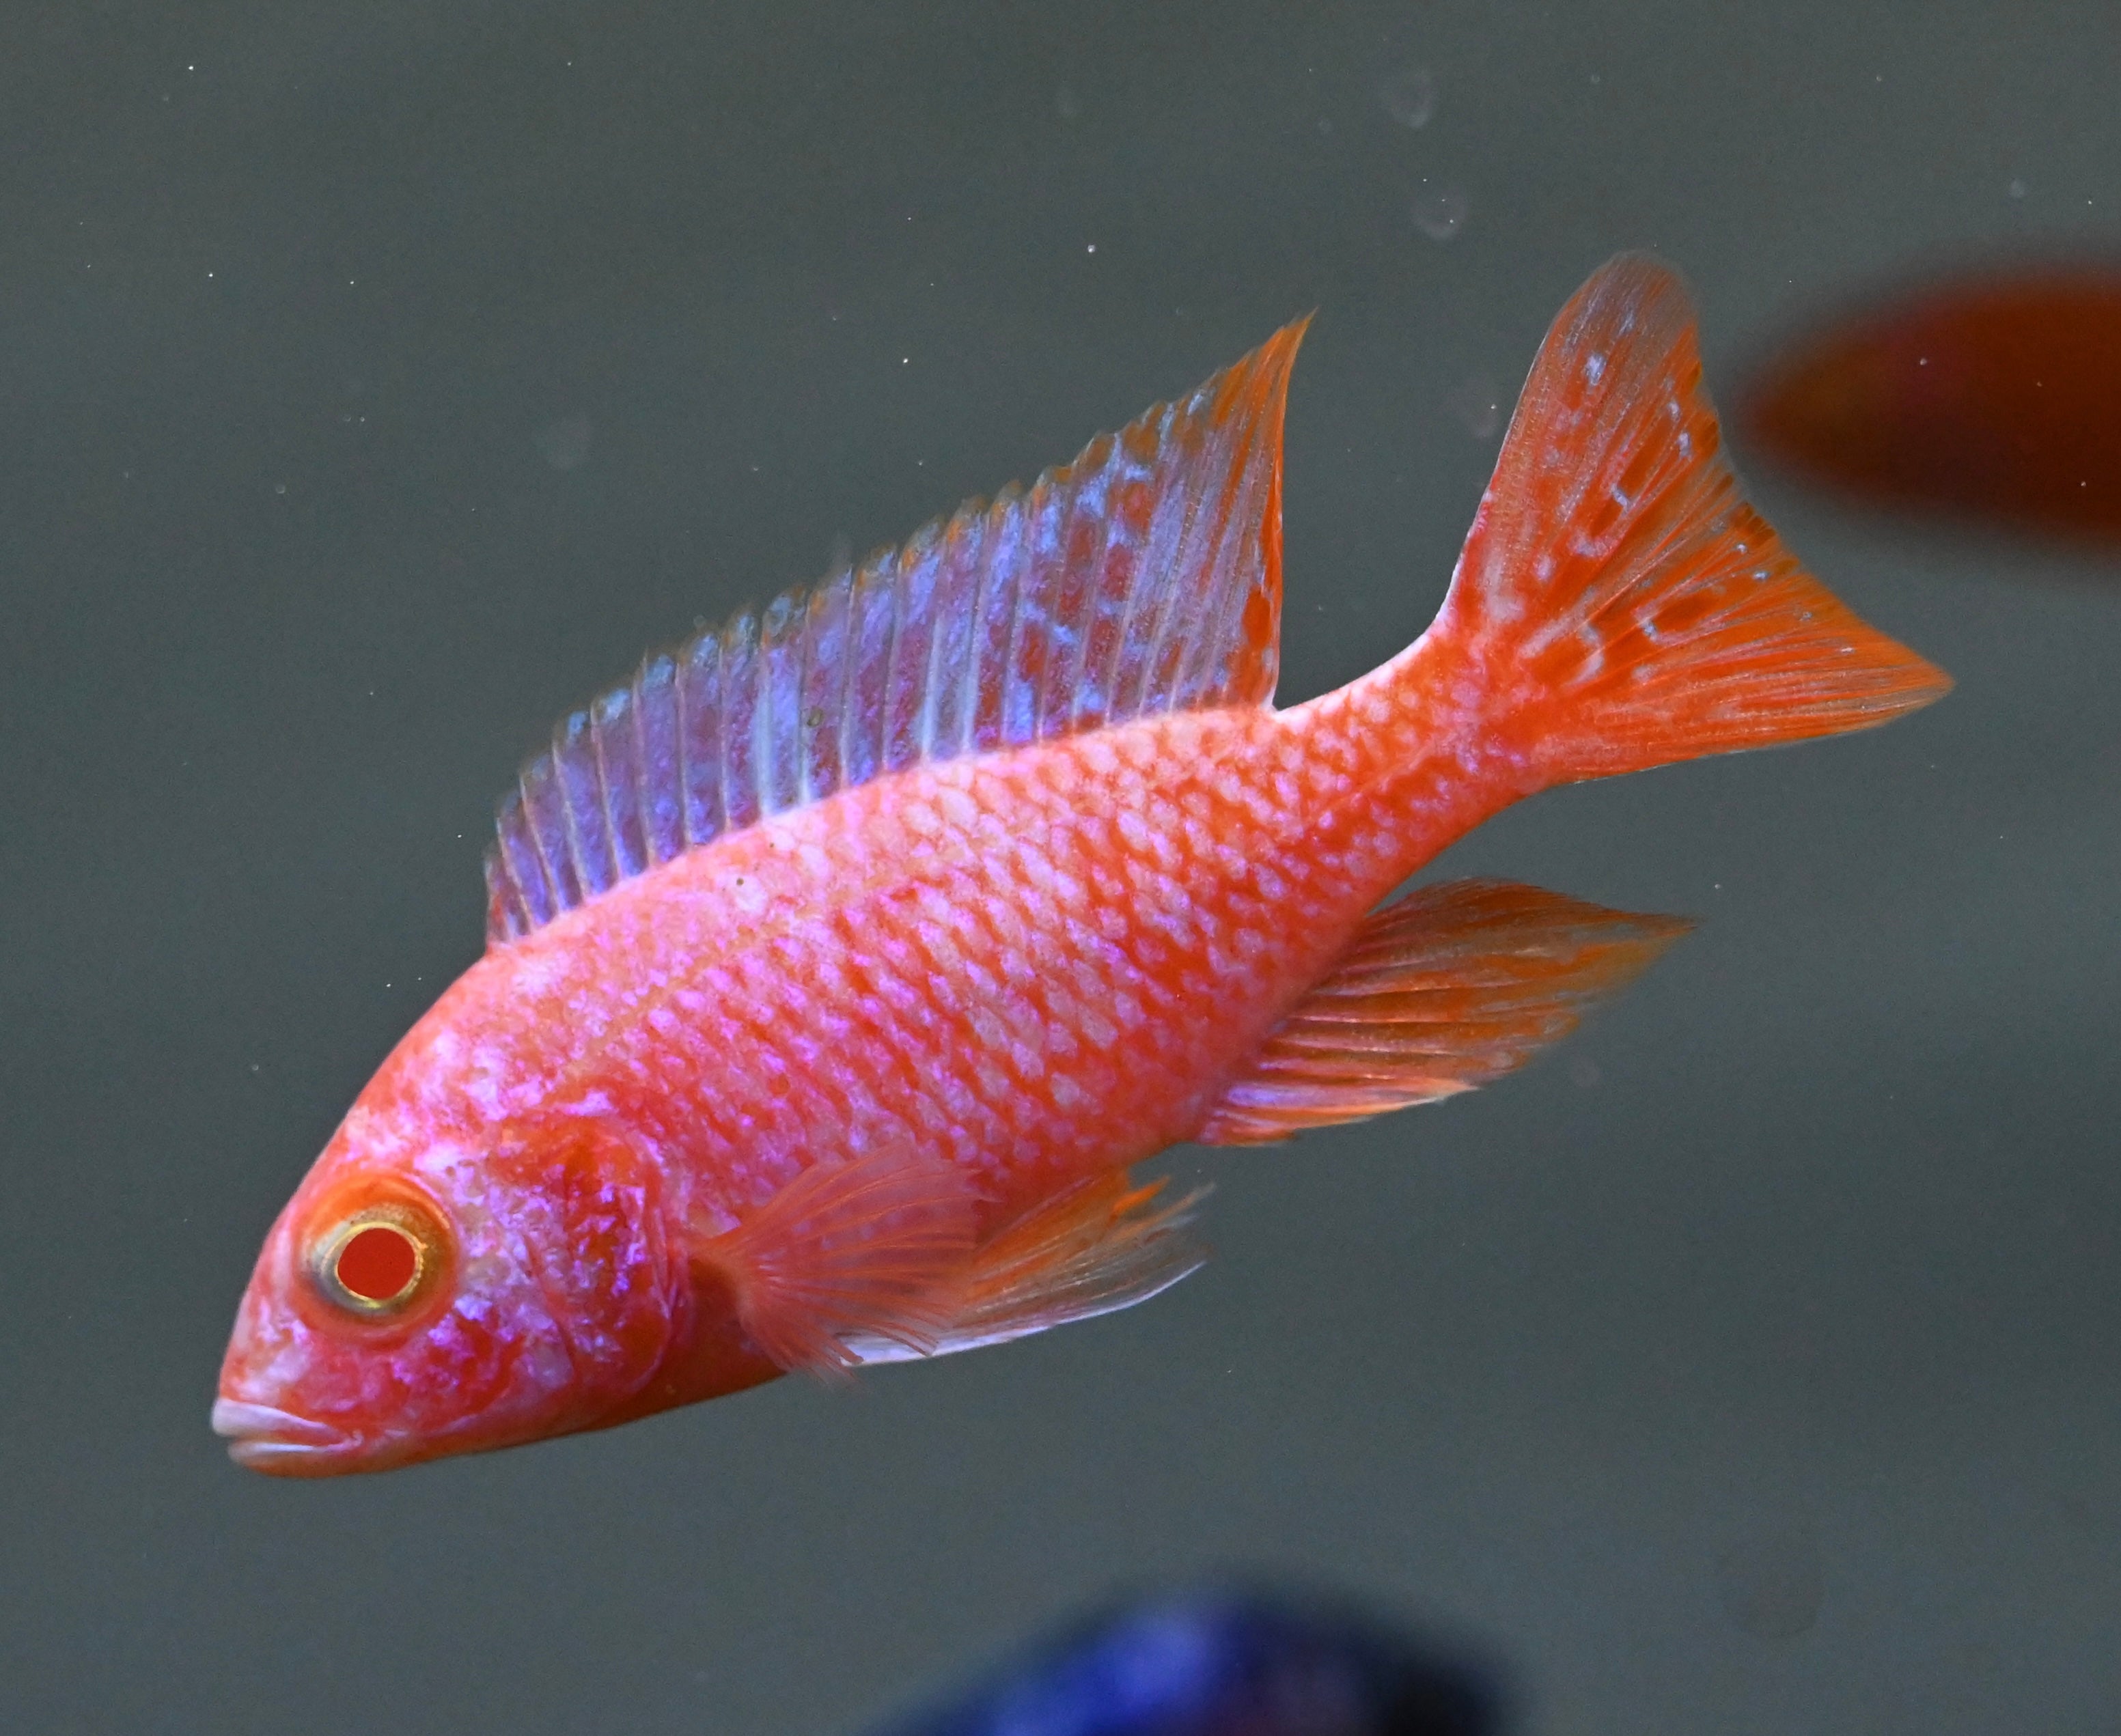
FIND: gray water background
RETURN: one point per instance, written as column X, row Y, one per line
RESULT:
column 378, row 381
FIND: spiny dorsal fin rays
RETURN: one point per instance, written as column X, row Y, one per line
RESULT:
column 1144, row 577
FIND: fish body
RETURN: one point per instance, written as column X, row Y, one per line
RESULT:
column 844, row 963
column 1987, row 398
column 1222, row 1662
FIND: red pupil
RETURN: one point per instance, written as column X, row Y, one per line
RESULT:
column 377, row 1264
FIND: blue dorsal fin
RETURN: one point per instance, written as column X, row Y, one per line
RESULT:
column 1144, row 578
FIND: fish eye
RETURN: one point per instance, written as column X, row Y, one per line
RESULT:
column 378, row 1261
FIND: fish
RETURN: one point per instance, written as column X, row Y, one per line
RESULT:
column 1986, row 398
column 1218, row 1660
column 844, row 963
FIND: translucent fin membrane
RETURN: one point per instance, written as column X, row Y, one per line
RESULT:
column 1099, row 1246
column 1617, row 592
column 876, row 1248
column 1452, row 986
column 1144, row 578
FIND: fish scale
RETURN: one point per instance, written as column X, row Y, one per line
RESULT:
column 960, row 926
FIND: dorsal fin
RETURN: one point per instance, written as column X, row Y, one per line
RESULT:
column 1145, row 577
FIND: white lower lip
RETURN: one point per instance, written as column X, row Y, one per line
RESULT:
column 261, row 1437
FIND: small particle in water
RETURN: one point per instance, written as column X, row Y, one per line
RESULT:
column 1409, row 95
column 565, row 441
column 1439, row 213
column 1479, row 405
column 279, row 488
column 1065, row 101
column 2016, row 189
column 1091, row 249
column 1584, row 1073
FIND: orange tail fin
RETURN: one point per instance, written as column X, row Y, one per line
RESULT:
column 1622, row 604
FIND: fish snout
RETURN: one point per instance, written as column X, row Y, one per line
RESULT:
column 267, row 1439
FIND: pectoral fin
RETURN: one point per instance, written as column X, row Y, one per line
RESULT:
column 1452, row 986
column 875, row 1250
column 1099, row 1246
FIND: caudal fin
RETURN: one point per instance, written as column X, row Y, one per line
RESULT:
column 1622, row 604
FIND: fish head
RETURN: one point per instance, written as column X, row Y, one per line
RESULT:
column 421, row 1296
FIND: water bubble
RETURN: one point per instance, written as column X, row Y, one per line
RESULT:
column 1409, row 95
column 1771, row 1582
column 1477, row 404
column 565, row 441
column 1439, row 213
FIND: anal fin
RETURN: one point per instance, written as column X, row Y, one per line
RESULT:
column 1451, row 987
column 876, row 1249
column 1099, row 1246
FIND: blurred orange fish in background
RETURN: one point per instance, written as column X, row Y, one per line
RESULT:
column 1992, row 397
column 842, row 963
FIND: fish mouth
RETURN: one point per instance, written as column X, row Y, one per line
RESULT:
column 265, row 1438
